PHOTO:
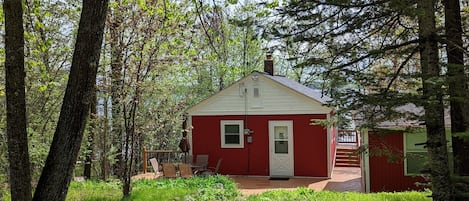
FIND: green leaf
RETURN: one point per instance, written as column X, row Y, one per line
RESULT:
column 42, row 88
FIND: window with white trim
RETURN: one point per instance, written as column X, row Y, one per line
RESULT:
column 416, row 156
column 232, row 133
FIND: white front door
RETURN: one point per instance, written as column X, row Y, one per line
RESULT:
column 281, row 148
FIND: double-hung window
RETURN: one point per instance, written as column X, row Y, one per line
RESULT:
column 416, row 156
column 232, row 134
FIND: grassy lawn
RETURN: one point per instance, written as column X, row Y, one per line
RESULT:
column 94, row 190
column 308, row 194
column 219, row 188
column 215, row 188
column 197, row 188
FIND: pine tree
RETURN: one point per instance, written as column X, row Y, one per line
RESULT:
column 375, row 56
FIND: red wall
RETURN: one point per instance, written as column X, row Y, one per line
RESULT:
column 309, row 142
column 388, row 175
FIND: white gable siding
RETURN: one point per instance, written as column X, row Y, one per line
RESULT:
column 274, row 99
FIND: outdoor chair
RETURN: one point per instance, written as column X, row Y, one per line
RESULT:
column 154, row 164
column 211, row 170
column 187, row 159
column 185, row 170
column 202, row 161
column 169, row 170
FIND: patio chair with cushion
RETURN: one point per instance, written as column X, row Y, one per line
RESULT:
column 185, row 170
column 169, row 170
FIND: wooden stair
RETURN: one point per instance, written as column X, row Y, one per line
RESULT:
column 347, row 158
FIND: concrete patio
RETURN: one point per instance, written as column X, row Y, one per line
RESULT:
column 343, row 179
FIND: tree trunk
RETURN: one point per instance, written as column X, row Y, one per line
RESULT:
column 57, row 173
column 138, row 156
column 434, row 108
column 130, row 142
column 91, row 134
column 457, row 85
column 116, row 85
column 20, row 176
column 104, row 143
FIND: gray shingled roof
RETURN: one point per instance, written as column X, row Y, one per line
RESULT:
column 412, row 116
column 294, row 85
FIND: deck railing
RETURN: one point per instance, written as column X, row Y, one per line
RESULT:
column 348, row 136
column 170, row 156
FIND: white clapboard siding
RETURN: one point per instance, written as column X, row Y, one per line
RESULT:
column 275, row 98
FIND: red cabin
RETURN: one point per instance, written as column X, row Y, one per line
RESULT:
column 264, row 125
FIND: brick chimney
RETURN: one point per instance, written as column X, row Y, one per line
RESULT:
column 269, row 64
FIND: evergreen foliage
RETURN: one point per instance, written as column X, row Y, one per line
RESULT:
column 375, row 58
